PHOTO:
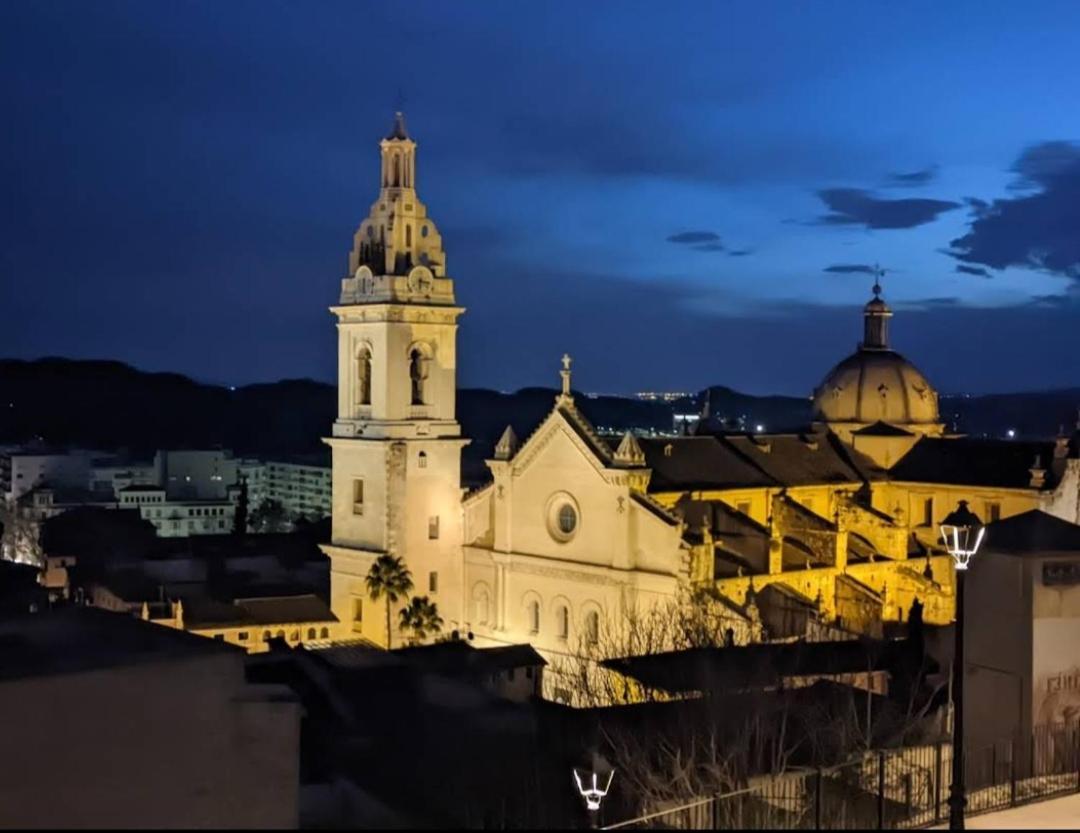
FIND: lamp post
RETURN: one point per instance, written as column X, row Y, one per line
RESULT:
column 962, row 533
column 593, row 794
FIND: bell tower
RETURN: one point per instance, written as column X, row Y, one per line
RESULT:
column 396, row 445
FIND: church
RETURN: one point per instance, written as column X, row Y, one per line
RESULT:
column 834, row 526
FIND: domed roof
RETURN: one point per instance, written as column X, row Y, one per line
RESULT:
column 876, row 385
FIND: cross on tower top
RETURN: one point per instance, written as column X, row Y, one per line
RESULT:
column 565, row 373
column 879, row 273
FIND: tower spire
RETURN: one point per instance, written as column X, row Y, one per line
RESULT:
column 876, row 317
column 398, row 132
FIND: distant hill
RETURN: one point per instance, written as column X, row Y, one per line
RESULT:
column 109, row 405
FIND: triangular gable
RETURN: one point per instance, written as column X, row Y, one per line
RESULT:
column 569, row 421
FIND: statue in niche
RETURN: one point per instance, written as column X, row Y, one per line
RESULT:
column 363, row 376
column 418, row 372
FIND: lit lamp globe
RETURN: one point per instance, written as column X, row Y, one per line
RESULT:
column 962, row 533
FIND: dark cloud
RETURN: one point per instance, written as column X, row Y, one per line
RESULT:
column 913, row 179
column 978, row 271
column 694, row 237
column 1039, row 230
column 709, row 247
column 851, row 269
column 740, row 252
column 856, row 207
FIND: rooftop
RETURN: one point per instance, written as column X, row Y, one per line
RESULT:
column 75, row 639
column 1032, row 532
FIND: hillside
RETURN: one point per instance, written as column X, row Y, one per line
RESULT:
column 109, row 405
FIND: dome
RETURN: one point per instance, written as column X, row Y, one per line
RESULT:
column 875, row 385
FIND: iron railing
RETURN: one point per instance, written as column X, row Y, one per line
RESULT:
column 906, row 788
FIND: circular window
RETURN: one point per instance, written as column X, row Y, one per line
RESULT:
column 563, row 517
column 567, row 519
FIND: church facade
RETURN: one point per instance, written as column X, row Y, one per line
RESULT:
column 574, row 531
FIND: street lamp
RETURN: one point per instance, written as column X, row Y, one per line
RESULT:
column 593, row 794
column 962, row 533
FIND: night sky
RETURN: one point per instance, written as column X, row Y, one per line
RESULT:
column 678, row 194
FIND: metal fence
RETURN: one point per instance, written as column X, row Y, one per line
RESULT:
column 904, row 788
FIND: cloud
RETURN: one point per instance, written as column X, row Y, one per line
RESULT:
column 913, row 179
column 973, row 270
column 740, row 252
column 857, row 207
column 695, row 237
column 851, row 269
column 1033, row 230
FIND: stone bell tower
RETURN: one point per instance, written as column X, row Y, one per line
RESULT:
column 396, row 444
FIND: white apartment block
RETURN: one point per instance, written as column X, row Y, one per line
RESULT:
column 179, row 518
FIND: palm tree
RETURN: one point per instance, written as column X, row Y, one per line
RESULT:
column 421, row 616
column 388, row 577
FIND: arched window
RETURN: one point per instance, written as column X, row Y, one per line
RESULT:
column 562, row 621
column 592, row 627
column 418, row 371
column 534, row 616
column 324, row 633
column 421, row 460
column 311, row 633
column 266, row 636
column 408, row 234
column 363, row 376
column 397, row 170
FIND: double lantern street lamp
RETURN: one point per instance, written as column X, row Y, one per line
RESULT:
column 962, row 533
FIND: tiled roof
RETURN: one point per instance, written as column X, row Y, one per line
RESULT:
column 972, row 462
column 698, row 463
column 1032, row 532
column 277, row 610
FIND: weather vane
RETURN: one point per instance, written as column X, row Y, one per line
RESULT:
column 878, row 273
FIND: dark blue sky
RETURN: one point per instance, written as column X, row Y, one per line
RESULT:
column 678, row 194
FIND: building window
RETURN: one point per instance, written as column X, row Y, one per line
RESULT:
column 534, row 616
column 294, row 636
column 358, row 610
column 592, row 627
column 567, row 519
column 562, row 621
column 266, row 636
column 358, row 497
column 928, row 512
column 242, row 636
column 311, row 633
column 433, row 527
column 993, row 511
column 421, row 460
column 280, row 634
column 743, row 507
column 325, row 633
column 433, row 582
